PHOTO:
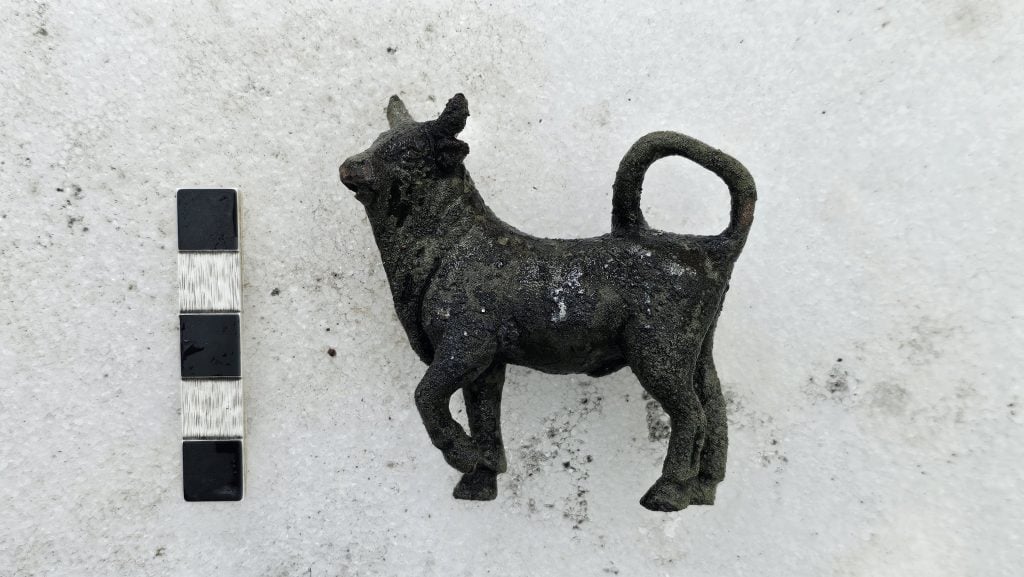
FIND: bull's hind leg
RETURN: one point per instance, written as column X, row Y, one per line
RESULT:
column 483, row 408
column 716, row 445
column 665, row 367
column 457, row 363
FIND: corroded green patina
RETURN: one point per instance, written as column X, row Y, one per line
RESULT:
column 474, row 295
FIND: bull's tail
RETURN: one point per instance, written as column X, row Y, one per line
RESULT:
column 627, row 217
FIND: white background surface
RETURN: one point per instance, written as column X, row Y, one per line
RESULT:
column 885, row 138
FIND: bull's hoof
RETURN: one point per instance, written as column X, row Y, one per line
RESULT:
column 478, row 485
column 666, row 495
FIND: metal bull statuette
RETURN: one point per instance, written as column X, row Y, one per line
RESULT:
column 474, row 295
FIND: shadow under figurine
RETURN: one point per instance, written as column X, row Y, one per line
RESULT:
column 474, row 294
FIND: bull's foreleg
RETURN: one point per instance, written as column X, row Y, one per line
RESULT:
column 483, row 408
column 457, row 363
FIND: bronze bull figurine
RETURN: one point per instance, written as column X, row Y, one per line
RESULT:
column 474, row 294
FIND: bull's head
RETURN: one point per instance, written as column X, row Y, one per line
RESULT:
column 408, row 152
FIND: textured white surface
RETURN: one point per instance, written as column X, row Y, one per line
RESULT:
column 212, row 409
column 209, row 281
column 885, row 139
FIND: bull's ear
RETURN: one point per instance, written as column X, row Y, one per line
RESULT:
column 397, row 113
column 453, row 119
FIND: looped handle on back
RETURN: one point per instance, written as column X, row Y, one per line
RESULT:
column 628, row 218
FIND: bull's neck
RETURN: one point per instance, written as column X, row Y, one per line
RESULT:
column 416, row 223
column 415, row 226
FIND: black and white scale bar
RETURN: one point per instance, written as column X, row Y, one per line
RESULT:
column 210, row 301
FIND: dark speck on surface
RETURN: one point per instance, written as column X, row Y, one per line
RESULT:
column 838, row 380
column 658, row 428
column 392, row 49
column 275, row 292
column 331, row 352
